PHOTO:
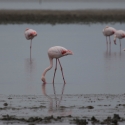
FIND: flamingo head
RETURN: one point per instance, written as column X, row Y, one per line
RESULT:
column 67, row 52
column 43, row 79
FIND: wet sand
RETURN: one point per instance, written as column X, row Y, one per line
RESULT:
column 71, row 109
column 61, row 16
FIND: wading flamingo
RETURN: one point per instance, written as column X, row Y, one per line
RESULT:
column 30, row 34
column 108, row 31
column 55, row 52
column 119, row 34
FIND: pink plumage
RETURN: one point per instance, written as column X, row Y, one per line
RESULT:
column 108, row 31
column 120, row 34
column 30, row 34
column 56, row 52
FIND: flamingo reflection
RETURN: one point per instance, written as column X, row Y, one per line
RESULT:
column 50, row 99
column 55, row 110
column 30, row 68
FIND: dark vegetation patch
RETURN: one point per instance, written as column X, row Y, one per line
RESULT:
column 59, row 119
column 61, row 16
column 88, row 107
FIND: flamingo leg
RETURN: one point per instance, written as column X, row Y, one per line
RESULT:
column 107, row 43
column 62, row 71
column 109, row 40
column 30, row 48
column 53, row 81
column 55, row 71
column 120, row 44
column 106, row 40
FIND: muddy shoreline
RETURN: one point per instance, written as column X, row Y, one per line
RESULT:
column 61, row 16
column 84, row 109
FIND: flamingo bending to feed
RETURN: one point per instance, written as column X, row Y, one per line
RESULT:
column 56, row 52
column 108, row 31
column 119, row 34
column 30, row 34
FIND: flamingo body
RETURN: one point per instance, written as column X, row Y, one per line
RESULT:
column 119, row 34
column 108, row 31
column 55, row 52
column 30, row 34
column 58, row 51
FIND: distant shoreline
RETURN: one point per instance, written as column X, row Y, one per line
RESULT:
column 61, row 16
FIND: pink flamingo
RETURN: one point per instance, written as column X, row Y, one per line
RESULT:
column 56, row 52
column 119, row 34
column 108, row 31
column 30, row 34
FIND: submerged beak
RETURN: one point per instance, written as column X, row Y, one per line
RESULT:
column 124, row 49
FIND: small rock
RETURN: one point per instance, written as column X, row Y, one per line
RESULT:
column 116, row 116
column 90, row 107
column 5, row 104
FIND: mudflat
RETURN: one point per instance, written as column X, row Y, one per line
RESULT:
column 82, row 109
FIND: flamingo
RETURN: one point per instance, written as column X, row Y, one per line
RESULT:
column 56, row 52
column 30, row 34
column 119, row 34
column 108, row 31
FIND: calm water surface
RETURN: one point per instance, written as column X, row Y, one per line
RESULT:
column 61, row 4
column 92, row 69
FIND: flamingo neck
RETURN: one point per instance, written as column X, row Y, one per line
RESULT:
column 51, row 65
column 115, row 37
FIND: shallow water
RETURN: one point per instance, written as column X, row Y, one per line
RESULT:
column 93, row 69
column 62, row 4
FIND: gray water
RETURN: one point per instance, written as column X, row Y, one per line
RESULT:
column 62, row 4
column 91, row 70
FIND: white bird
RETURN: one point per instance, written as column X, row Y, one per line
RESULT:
column 30, row 34
column 120, row 34
column 56, row 52
column 108, row 31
